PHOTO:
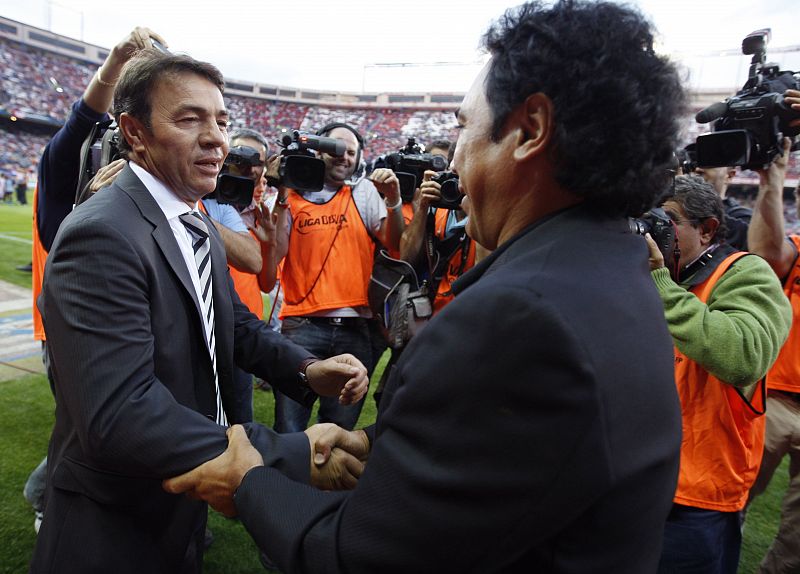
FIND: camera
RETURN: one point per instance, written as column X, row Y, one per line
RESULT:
column 235, row 182
column 451, row 196
column 99, row 149
column 409, row 164
column 658, row 224
column 749, row 127
column 300, row 168
column 687, row 159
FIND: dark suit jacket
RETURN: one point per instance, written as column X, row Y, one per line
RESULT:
column 134, row 387
column 532, row 426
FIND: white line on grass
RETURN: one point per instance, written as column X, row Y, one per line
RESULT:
column 18, row 239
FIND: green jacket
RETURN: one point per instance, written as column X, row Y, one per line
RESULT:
column 737, row 334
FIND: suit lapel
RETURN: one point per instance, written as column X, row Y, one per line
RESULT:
column 162, row 232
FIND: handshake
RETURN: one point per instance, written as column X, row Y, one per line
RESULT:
column 337, row 461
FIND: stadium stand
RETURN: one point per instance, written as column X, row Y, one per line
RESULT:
column 41, row 81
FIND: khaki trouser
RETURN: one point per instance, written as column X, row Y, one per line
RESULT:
column 782, row 438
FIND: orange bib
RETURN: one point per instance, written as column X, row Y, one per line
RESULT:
column 785, row 373
column 330, row 256
column 723, row 437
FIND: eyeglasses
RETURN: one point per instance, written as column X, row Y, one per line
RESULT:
column 676, row 219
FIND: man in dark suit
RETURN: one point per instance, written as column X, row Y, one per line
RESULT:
column 144, row 328
column 533, row 425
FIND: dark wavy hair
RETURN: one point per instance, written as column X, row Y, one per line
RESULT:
column 617, row 103
column 700, row 201
column 141, row 75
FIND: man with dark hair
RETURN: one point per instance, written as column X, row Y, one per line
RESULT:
column 54, row 196
column 533, row 425
column 728, row 319
column 143, row 330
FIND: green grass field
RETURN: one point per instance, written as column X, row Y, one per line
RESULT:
column 15, row 242
column 27, row 406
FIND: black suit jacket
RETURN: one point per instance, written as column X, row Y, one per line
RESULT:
column 134, row 387
column 532, row 426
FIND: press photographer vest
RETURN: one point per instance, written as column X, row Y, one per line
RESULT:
column 330, row 256
column 785, row 373
column 723, row 436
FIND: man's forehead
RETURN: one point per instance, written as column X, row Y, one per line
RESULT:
column 191, row 91
column 344, row 134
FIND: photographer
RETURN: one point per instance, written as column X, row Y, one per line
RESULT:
column 728, row 320
column 436, row 240
column 330, row 241
column 767, row 238
column 59, row 171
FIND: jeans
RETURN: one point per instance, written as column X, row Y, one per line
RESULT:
column 699, row 541
column 324, row 339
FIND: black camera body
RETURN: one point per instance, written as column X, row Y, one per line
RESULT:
column 451, row 196
column 300, row 168
column 409, row 164
column 749, row 127
column 99, row 149
column 234, row 184
column 657, row 223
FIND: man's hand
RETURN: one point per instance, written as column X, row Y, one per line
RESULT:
column 106, row 175
column 387, row 184
column 429, row 191
column 792, row 98
column 272, row 167
column 343, row 375
column 656, row 258
column 139, row 39
column 216, row 480
column 266, row 225
column 775, row 174
column 337, row 456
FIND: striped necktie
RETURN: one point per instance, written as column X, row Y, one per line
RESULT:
column 202, row 257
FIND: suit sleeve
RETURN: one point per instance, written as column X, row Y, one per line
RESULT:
column 96, row 311
column 489, row 445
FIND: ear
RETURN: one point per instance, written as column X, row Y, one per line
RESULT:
column 708, row 229
column 534, row 125
column 133, row 131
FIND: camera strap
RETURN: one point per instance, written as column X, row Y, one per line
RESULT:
column 437, row 270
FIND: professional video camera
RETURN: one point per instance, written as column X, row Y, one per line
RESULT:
column 658, row 224
column 99, row 149
column 235, row 184
column 451, row 196
column 409, row 164
column 749, row 126
column 300, row 168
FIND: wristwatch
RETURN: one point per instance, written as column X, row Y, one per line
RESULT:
column 301, row 373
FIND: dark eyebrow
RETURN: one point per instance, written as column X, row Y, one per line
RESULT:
column 200, row 111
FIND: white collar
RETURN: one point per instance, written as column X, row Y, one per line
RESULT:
column 170, row 204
